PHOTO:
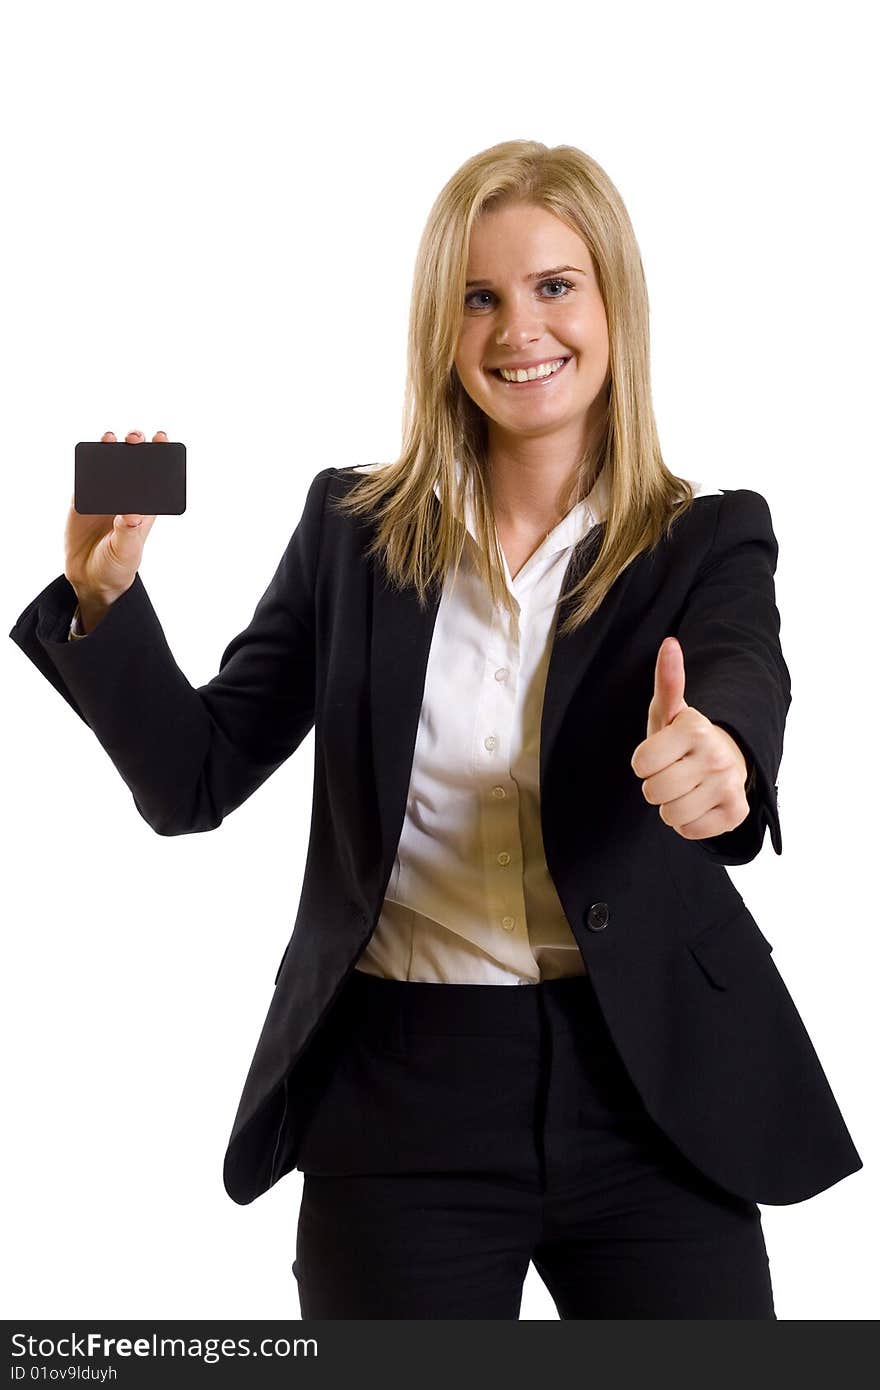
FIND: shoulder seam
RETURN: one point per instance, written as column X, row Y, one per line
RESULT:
column 330, row 472
column 707, row 558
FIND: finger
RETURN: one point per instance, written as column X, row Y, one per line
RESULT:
column 668, row 700
column 160, row 437
column 108, row 437
column 131, row 519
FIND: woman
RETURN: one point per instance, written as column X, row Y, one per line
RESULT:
column 549, row 700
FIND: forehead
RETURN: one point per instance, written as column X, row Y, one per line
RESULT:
column 521, row 239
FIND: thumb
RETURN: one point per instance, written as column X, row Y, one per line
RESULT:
column 127, row 538
column 668, row 699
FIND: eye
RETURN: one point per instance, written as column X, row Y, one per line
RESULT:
column 555, row 281
column 567, row 283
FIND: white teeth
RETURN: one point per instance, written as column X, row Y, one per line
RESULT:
column 533, row 373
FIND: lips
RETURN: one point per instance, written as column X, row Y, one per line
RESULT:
column 537, row 381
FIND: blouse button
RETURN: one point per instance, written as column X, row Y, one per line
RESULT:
column 490, row 742
column 502, row 673
column 498, row 791
column 508, row 923
column 504, row 857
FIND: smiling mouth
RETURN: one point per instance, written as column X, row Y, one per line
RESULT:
column 535, row 381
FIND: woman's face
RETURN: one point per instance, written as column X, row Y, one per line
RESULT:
column 514, row 313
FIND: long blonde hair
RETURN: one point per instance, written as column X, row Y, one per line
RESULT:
column 416, row 541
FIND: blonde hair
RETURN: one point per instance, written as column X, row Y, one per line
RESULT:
column 416, row 540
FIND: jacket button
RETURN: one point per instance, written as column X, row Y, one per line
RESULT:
column 597, row 916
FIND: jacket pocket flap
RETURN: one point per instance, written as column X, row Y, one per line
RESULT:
column 724, row 950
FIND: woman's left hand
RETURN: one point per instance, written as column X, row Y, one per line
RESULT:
column 692, row 769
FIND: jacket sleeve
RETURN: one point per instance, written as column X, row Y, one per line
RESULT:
column 190, row 756
column 735, row 672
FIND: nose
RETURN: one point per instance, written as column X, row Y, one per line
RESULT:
column 520, row 320
column 519, row 334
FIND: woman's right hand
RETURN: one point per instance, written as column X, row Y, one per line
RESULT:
column 102, row 553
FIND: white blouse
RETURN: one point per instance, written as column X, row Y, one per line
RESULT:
column 470, row 899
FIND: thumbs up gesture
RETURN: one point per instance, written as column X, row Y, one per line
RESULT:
column 691, row 769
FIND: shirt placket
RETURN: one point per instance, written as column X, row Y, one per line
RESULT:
column 501, row 833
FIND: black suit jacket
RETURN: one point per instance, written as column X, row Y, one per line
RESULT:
column 691, row 995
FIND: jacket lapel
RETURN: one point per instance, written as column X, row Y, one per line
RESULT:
column 571, row 656
column 400, row 645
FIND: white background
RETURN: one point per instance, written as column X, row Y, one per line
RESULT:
column 211, row 217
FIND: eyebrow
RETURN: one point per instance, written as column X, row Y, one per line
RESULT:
column 538, row 275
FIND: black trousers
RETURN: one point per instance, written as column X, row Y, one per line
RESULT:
column 462, row 1131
